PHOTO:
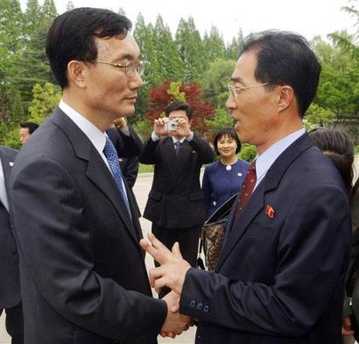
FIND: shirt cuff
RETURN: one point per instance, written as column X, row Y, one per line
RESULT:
column 154, row 137
column 125, row 130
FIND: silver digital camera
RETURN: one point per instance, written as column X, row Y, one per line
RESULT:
column 171, row 125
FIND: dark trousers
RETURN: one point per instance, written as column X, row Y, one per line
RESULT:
column 14, row 324
column 187, row 239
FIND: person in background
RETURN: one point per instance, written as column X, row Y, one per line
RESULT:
column 120, row 134
column 26, row 130
column 337, row 146
column 176, row 204
column 223, row 178
column 10, row 296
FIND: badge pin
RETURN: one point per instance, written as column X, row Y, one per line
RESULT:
column 270, row 212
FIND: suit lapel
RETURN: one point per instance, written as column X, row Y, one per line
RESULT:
column 7, row 163
column 99, row 174
column 256, row 203
column 97, row 170
column 238, row 228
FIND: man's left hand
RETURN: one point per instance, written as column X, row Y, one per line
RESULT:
column 173, row 269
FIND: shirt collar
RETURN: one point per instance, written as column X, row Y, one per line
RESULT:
column 95, row 135
column 176, row 140
column 265, row 160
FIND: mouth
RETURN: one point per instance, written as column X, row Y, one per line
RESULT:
column 132, row 99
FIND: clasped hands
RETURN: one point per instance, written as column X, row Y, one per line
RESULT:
column 171, row 273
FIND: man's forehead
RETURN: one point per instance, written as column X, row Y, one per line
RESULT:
column 245, row 67
column 118, row 46
column 178, row 113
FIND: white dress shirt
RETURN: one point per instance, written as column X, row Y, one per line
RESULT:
column 3, row 194
column 265, row 160
column 94, row 134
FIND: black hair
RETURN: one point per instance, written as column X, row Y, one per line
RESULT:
column 72, row 37
column 179, row 106
column 230, row 132
column 337, row 146
column 285, row 58
column 29, row 125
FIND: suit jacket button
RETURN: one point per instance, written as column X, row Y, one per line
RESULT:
column 206, row 309
column 199, row 306
column 193, row 304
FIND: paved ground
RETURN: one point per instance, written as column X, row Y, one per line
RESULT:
column 141, row 189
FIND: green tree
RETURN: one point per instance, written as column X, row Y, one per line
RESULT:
column 190, row 48
column 214, row 46
column 339, row 85
column 215, row 81
column 45, row 99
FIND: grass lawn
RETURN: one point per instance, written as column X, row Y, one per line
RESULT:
column 145, row 168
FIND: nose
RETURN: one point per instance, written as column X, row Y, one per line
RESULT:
column 230, row 105
column 136, row 81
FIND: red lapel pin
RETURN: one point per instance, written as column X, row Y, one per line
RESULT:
column 270, row 212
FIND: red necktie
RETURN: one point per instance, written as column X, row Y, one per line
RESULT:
column 247, row 188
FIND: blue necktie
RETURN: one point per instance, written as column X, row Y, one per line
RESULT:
column 111, row 155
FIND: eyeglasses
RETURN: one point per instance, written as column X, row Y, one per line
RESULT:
column 236, row 90
column 129, row 69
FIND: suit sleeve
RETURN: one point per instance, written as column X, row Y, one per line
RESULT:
column 127, row 146
column 312, row 256
column 48, row 214
column 150, row 154
column 204, row 150
column 130, row 170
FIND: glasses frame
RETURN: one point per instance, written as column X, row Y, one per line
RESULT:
column 128, row 69
column 236, row 91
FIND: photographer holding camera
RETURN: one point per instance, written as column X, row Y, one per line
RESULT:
column 176, row 203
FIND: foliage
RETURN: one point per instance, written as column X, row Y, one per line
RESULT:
column 167, row 92
column 318, row 116
column 220, row 120
column 248, row 152
column 45, row 99
column 215, row 80
column 181, row 66
column 338, row 91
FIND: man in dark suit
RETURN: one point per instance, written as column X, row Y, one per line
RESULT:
column 118, row 134
column 176, row 204
column 83, row 277
column 280, row 276
column 10, row 299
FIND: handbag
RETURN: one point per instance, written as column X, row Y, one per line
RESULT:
column 212, row 234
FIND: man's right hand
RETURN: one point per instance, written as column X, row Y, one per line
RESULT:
column 175, row 322
column 159, row 127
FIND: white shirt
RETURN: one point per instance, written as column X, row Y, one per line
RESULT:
column 265, row 160
column 3, row 194
column 94, row 134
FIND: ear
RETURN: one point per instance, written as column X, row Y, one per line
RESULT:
column 286, row 96
column 77, row 72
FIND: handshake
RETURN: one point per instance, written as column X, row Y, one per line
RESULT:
column 171, row 274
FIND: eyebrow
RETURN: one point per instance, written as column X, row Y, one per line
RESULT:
column 238, row 79
column 128, row 57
